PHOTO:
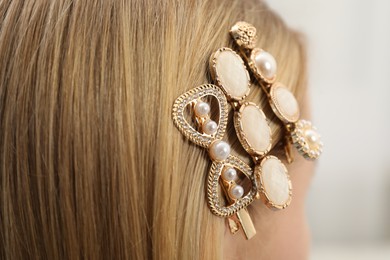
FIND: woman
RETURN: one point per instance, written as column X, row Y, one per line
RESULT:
column 92, row 165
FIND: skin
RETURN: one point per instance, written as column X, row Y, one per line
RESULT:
column 281, row 234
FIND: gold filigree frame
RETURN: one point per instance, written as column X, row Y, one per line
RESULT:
column 214, row 174
column 191, row 96
column 244, row 34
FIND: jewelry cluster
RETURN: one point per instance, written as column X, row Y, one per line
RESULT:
column 269, row 177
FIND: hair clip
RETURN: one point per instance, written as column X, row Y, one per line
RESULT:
column 253, row 131
column 225, row 167
column 283, row 103
column 269, row 178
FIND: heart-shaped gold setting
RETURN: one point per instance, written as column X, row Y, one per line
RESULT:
column 191, row 97
column 213, row 180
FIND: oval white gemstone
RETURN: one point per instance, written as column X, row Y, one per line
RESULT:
column 202, row 109
column 236, row 192
column 232, row 73
column 276, row 182
column 266, row 64
column 229, row 174
column 219, row 150
column 287, row 104
column 209, row 127
column 255, row 127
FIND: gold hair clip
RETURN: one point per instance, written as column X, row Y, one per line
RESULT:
column 269, row 178
column 263, row 65
column 225, row 166
column 252, row 128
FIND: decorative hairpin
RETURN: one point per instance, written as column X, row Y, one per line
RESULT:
column 269, row 178
column 263, row 66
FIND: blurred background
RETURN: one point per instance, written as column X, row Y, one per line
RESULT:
column 349, row 67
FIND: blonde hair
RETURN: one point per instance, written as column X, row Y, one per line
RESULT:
column 91, row 163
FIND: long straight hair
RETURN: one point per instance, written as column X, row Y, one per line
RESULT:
column 91, row 165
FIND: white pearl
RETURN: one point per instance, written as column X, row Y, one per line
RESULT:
column 236, row 192
column 209, row 127
column 229, row 174
column 266, row 63
column 202, row 109
column 219, row 150
column 311, row 136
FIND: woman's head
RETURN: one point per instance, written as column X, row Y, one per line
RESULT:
column 91, row 163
